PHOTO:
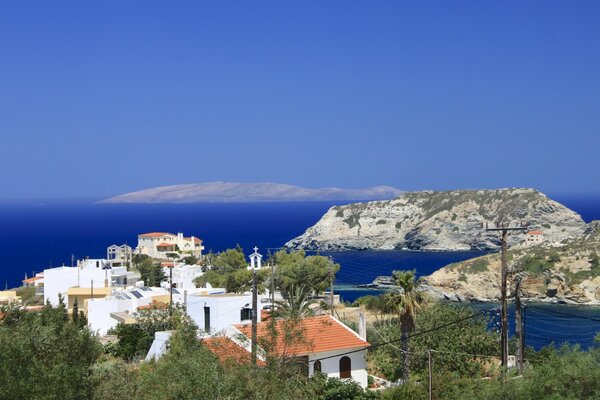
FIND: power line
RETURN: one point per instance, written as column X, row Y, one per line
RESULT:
column 563, row 313
column 409, row 336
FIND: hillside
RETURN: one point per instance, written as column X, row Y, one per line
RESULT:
column 444, row 220
column 235, row 192
column 565, row 272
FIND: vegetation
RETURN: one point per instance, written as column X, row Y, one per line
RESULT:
column 28, row 296
column 406, row 303
column 47, row 355
column 151, row 272
column 294, row 269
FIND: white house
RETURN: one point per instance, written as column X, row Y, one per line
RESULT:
column 215, row 312
column 158, row 244
column 119, row 256
column 327, row 346
column 183, row 274
column 122, row 304
column 87, row 274
column 534, row 237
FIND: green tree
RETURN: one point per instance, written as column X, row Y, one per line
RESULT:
column 295, row 268
column 190, row 260
column 151, row 273
column 229, row 260
column 296, row 303
column 45, row 355
column 406, row 301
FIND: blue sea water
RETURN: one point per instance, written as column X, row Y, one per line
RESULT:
column 37, row 235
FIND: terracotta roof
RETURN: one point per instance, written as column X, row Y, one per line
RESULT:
column 155, row 234
column 319, row 334
column 535, row 233
column 32, row 279
column 167, row 264
column 165, row 245
column 227, row 350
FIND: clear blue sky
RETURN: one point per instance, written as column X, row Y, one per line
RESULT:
column 105, row 98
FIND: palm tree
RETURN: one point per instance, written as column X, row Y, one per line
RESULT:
column 406, row 300
column 297, row 302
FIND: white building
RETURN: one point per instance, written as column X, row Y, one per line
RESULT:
column 88, row 273
column 327, row 346
column 119, row 256
column 183, row 274
column 534, row 238
column 122, row 305
column 215, row 312
column 158, row 244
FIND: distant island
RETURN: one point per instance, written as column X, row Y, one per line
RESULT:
column 236, row 192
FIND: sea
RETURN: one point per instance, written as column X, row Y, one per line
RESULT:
column 35, row 235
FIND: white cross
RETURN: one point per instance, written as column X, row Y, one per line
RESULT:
column 255, row 249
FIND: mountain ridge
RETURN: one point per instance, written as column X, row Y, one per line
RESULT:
column 238, row 192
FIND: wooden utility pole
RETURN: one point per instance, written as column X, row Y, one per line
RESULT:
column 519, row 325
column 430, row 369
column 331, row 295
column 254, row 315
column 272, row 286
column 504, row 229
column 171, row 289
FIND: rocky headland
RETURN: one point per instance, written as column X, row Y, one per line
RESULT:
column 439, row 221
column 566, row 272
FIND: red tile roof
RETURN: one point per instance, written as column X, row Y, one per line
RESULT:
column 317, row 334
column 155, row 234
column 165, row 245
column 535, row 233
column 227, row 350
column 32, row 279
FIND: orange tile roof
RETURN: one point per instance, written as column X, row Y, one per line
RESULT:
column 32, row 279
column 165, row 245
column 318, row 334
column 155, row 234
column 227, row 350
column 535, row 233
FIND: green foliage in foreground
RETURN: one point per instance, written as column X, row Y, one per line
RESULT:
column 470, row 336
column 567, row 373
column 44, row 355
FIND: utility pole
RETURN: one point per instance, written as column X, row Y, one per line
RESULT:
column 254, row 316
column 331, row 295
column 171, row 288
column 504, row 229
column 429, row 367
column 519, row 325
column 272, row 286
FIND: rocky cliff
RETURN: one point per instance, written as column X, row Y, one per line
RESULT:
column 566, row 272
column 444, row 220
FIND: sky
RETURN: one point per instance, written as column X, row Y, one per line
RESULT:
column 107, row 97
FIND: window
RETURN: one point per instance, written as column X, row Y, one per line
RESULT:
column 317, row 366
column 345, row 367
column 246, row 314
column 207, row 319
